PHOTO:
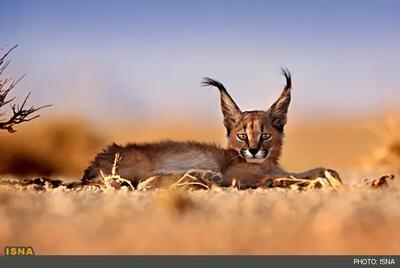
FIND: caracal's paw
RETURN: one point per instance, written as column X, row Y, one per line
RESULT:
column 208, row 177
column 320, row 172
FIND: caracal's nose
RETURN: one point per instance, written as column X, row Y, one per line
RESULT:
column 253, row 151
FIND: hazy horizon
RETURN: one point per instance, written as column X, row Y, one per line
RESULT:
column 131, row 59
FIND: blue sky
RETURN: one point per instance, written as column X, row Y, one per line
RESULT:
column 142, row 59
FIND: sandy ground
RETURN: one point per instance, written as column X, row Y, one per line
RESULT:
column 354, row 220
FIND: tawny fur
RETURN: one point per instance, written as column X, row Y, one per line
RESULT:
column 255, row 141
column 141, row 161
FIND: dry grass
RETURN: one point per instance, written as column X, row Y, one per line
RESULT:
column 114, row 180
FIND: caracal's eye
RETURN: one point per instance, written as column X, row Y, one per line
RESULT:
column 242, row 137
column 265, row 136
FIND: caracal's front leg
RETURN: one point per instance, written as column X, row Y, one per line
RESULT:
column 319, row 172
column 268, row 180
column 254, row 175
column 246, row 175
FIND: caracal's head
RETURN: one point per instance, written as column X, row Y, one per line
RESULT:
column 256, row 135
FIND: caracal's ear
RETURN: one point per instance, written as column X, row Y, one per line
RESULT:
column 229, row 108
column 278, row 110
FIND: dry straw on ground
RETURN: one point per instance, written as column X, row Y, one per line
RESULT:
column 56, row 217
column 191, row 179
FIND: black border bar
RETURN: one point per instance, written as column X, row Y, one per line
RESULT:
column 185, row 261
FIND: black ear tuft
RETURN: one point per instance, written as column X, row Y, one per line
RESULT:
column 288, row 78
column 278, row 110
column 211, row 82
column 229, row 108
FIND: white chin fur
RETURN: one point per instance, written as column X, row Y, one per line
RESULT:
column 255, row 160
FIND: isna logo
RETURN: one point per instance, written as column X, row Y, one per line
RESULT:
column 19, row 251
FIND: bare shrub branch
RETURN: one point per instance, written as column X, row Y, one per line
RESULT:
column 20, row 113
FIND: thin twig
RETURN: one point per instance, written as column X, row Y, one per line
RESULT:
column 20, row 113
